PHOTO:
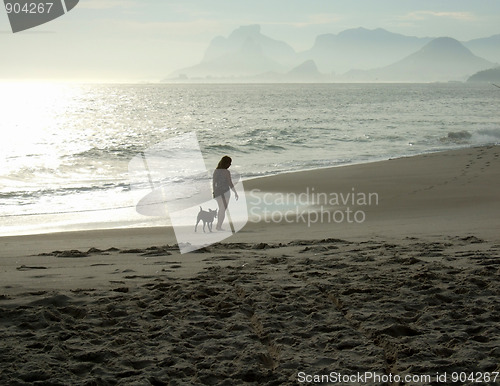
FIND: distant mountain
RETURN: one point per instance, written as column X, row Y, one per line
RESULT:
column 442, row 59
column 488, row 48
column 358, row 55
column 491, row 75
column 245, row 52
column 361, row 48
column 306, row 72
column 274, row 49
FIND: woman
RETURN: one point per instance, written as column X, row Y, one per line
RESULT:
column 222, row 186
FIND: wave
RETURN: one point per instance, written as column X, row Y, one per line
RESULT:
column 61, row 191
column 274, row 147
column 482, row 136
column 115, row 152
column 457, row 137
column 489, row 135
column 222, row 149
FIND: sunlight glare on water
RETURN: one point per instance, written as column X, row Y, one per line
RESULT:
column 65, row 148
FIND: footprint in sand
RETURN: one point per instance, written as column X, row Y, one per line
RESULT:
column 28, row 268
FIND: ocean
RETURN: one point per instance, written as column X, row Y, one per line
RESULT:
column 66, row 148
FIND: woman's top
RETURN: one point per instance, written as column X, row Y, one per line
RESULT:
column 221, row 182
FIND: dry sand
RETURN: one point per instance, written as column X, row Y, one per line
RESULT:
column 414, row 289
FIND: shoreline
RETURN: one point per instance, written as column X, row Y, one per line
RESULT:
column 424, row 196
column 252, row 181
column 382, row 159
column 453, row 194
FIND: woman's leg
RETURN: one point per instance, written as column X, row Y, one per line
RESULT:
column 221, row 213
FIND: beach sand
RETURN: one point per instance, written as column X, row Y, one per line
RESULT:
column 413, row 289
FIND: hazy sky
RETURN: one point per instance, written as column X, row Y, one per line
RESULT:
column 147, row 39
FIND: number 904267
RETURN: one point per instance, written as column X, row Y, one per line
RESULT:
column 477, row 377
column 33, row 8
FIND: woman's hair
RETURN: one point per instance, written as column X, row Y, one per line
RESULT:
column 224, row 163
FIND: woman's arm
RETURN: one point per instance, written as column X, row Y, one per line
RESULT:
column 230, row 183
column 214, row 183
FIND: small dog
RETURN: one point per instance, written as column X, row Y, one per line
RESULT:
column 207, row 218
